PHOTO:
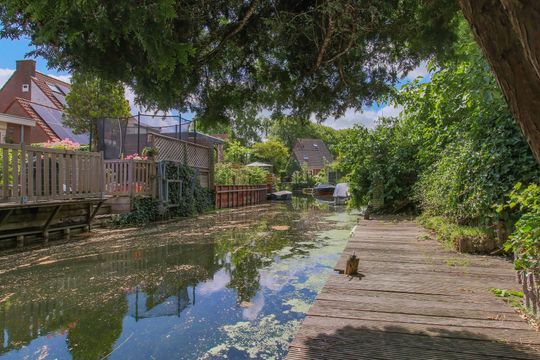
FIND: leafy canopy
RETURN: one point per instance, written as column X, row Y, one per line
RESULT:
column 217, row 57
column 453, row 152
column 271, row 151
column 93, row 98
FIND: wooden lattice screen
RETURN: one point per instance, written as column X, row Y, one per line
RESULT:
column 194, row 155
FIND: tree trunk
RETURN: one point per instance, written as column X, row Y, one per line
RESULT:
column 508, row 32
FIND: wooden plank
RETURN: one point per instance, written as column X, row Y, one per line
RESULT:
column 46, row 175
column 404, row 305
column 39, row 174
column 23, row 166
column 15, row 171
column 54, row 175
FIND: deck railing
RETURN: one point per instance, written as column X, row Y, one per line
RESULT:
column 229, row 196
column 30, row 174
column 530, row 282
column 130, row 177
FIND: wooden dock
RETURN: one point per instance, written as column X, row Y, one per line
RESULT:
column 414, row 299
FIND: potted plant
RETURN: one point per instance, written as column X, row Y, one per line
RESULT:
column 150, row 152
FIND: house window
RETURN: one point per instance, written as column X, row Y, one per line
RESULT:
column 316, row 145
column 306, row 157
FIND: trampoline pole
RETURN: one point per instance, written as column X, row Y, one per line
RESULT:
column 138, row 132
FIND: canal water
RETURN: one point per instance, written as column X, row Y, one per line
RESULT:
column 235, row 285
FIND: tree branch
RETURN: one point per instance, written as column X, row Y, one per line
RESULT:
column 324, row 45
column 239, row 26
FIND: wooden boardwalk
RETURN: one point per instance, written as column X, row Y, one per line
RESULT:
column 414, row 299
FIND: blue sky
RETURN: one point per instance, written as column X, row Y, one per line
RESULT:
column 13, row 50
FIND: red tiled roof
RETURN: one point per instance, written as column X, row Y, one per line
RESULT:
column 314, row 152
column 41, row 81
column 25, row 104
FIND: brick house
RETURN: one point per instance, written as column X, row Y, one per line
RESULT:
column 312, row 152
column 33, row 95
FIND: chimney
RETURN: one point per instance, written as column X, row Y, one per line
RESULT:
column 26, row 67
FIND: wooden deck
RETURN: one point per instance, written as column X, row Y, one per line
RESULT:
column 414, row 299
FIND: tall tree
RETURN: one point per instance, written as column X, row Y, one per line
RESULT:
column 309, row 57
column 272, row 151
column 92, row 98
column 508, row 32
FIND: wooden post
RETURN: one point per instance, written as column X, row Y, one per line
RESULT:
column 20, row 241
column 351, row 267
column 130, row 178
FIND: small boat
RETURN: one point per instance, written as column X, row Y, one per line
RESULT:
column 341, row 194
column 281, row 195
column 324, row 192
column 324, row 189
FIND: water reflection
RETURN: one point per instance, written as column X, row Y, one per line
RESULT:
column 245, row 278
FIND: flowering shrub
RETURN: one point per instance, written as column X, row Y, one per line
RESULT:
column 136, row 156
column 65, row 144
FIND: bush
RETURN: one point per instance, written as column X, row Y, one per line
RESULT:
column 228, row 174
column 193, row 200
column 145, row 210
column 468, row 239
column 525, row 240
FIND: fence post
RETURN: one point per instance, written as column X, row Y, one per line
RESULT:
column 23, row 174
column 210, row 167
column 130, row 178
column 102, row 177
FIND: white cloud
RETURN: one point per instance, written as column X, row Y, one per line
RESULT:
column 220, row 280
column 420, row 71
column 367, row 118
column 253, row 308
column 64, row 78
column 4, row 75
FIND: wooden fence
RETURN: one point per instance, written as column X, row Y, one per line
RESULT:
column 194, row 155
column 229, row 196
column 130, row 177
column 530, row 282
column 30, row 174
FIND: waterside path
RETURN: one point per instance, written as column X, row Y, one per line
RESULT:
column 414, row 299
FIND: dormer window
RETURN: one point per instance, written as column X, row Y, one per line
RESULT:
column 316, row 145
column 25, row 88
column 306, row 157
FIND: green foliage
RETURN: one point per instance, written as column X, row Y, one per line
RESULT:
column 381, row 165
column 271, row 151
column 187, row 198
column 288, row 129
column 92, row 98
column 454, row 151
column 301, row 178
column 235, row 152
column 217, row 57
column 525, row 240
column 506, row 293
column 149, row 151
column 229, row 174
column 243, row 126
column 452, row 234
column 144, row 210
